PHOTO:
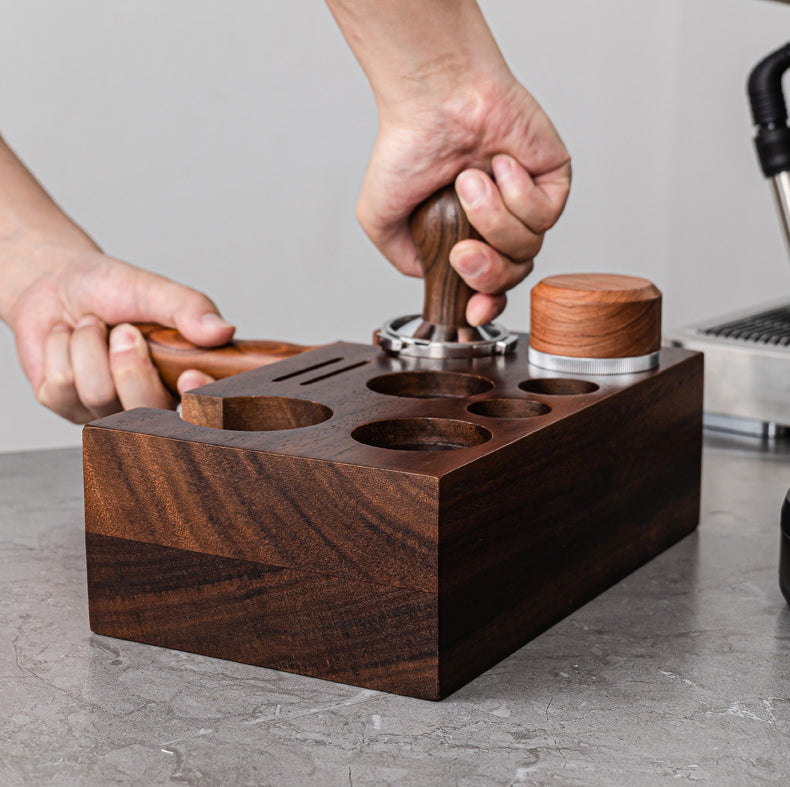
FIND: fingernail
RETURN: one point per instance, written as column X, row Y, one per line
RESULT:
column 190, row 380
column 474, row 319
column 122, row 339
column 212, row 320
column 89, row 319
column 471, row 264
column 471, row 188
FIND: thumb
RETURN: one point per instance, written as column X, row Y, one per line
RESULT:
column 200, row 322
column 135, row 295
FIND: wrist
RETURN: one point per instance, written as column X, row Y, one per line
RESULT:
column 415, row 53
column 450, row 86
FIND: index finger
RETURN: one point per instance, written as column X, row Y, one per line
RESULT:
column 537, row 202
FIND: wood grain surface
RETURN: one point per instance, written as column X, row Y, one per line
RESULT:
column 568, row 512
column 436, row 226
column 326, row 626
column 172, row 354
column 302, row 548
column 288, row 511
column 595, row 315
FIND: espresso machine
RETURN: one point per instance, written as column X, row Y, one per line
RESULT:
column 747, row 353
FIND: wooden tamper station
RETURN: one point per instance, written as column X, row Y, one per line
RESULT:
column 400, row 517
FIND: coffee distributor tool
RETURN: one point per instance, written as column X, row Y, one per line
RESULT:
column 401, row 515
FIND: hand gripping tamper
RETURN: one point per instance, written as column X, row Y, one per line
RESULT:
column 442, row 330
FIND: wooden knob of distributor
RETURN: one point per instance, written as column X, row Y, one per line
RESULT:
column 172, row 354
column 595, row 315
column 436, row 226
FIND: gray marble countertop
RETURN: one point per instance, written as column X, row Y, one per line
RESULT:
column 680, row 672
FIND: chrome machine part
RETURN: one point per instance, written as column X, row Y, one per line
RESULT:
column 747, row 363
column 780, row 186
column 593, row 366
column 399, row 337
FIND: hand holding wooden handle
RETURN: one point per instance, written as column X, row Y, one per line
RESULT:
column 172, row 354
column 436, row 226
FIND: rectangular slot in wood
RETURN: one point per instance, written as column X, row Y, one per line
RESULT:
column 336, row 371
column 307, row 369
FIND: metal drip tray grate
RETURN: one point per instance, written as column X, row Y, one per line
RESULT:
column 769, row 327
column 747, row 363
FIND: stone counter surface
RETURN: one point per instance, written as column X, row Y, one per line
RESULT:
column 679, row 673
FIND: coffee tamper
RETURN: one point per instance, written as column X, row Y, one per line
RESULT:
column 442, row 330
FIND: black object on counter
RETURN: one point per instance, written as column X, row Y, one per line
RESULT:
column 784, row 550
column 769, row 111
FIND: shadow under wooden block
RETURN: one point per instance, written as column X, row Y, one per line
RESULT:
column 399, row 525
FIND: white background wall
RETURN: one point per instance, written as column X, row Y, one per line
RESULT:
column 223, row 144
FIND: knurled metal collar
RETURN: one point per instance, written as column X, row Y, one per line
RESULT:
column 397, row 337
column 593, row 366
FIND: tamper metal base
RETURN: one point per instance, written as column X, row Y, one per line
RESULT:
column 400, row 337
column 571, row 365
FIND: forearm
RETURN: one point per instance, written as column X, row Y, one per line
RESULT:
column 414, row 51
column 32, row 226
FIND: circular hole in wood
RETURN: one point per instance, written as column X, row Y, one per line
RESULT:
column 558, row 386
column 509, row 408
column 421, row 434
column 430, row 385
column 271, row 413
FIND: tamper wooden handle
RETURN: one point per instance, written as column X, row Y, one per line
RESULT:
column 436, row 226
column 595, row 315
column 172, row 354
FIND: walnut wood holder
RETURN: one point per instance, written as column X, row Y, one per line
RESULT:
column 395, row 524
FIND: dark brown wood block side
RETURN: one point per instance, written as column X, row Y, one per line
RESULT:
column 278, row 510
column 327, row 627
column 606, row 490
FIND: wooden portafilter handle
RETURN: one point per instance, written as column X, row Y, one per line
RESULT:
column 172, row 354
column 436, row 226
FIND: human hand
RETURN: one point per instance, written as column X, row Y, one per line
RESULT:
column 512, row 175
column 78, row 366
column 451, row 110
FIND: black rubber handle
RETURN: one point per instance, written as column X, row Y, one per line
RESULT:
column 769, row 111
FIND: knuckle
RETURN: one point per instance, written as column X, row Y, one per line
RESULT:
column 494, row 223
column 53, row 402
column 544, row 223
column 530, row 249
column 200, row 302
column 98, row 399
column 59, row 380
column 127, row 363
column 522, row 271
column 132, row 357
column 43, row 397
column 493, row 280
